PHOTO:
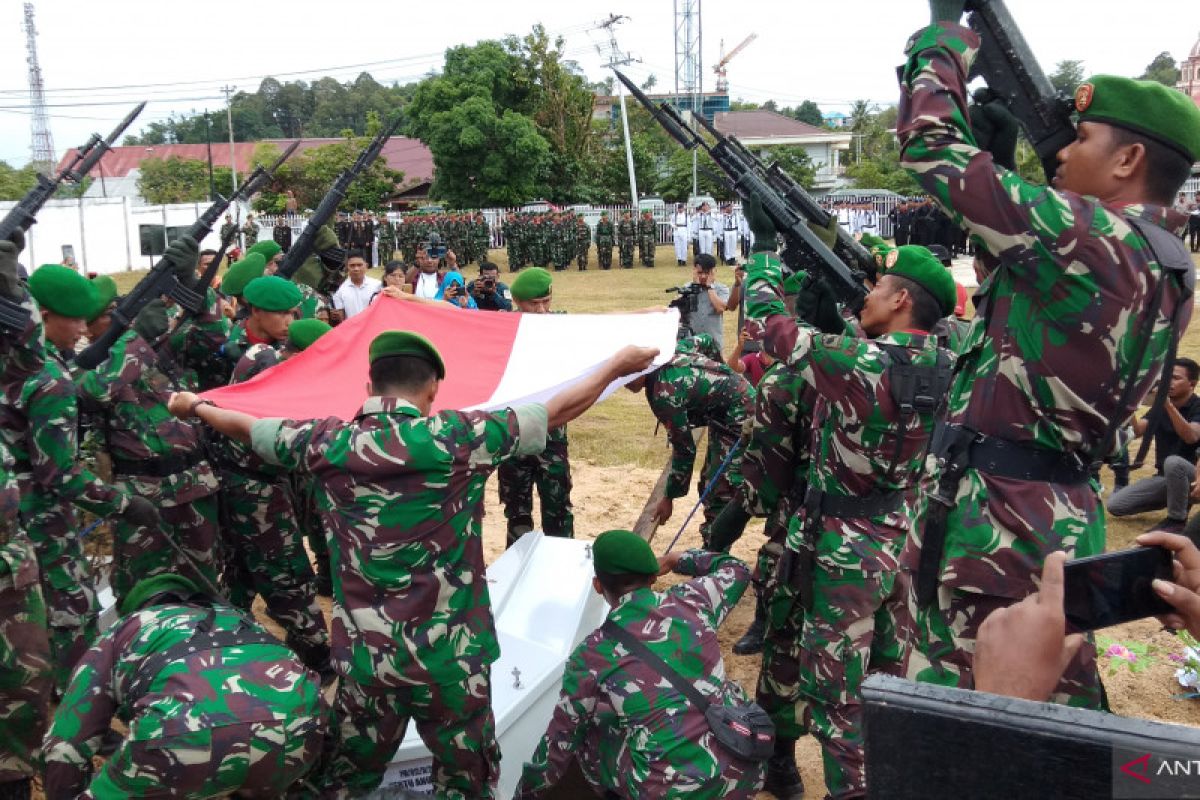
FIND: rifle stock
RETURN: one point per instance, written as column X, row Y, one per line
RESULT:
column 1011, row 71
column 24, row 214
column 305, row 243
column 162, row 279
column 739, row 165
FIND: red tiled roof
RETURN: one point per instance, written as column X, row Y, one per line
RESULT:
column 762, row 124
column 409, row 156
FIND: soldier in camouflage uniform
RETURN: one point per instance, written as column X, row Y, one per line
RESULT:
column 386, row 233
column 604, row 241
column 154, row 456
column 696, row 389
column 214, row 704
column 229, row 233
column 413, row 630
column 549, row 470
column 39, row 423
column 267, row 554
column 250, row 231
column 866, row 451
column 1041, row 380
column 539, row 242
column 647, row 238
column 583, row 242
column 626, row 234
column 562, row 242
column 482, row 238
column 512, row 247
column 632, row 735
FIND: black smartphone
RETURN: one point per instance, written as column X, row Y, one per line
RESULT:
column 1112, row 588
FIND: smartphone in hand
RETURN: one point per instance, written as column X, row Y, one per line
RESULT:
column 1112, row 588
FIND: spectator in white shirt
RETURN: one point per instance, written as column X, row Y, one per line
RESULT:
column 355, row 293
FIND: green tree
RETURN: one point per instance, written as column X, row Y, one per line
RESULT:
column 1066, row 76
column 883, row 172
column 1162, row 69
column 16, row 183
column 793, row 160
column 809, row 112
column 675, row 185
column 177, row 180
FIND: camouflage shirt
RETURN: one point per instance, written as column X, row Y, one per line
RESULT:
column 854, row 450
column 691, row 391
column 195, row 345
column 776, row 451
column 402, row 498
column 1060, row 307
column 131, row 392
column 632, row 732
column 211, row 688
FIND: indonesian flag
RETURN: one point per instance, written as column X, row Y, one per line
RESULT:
column 493, row 359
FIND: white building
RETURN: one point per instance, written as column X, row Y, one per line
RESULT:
column 763, row 128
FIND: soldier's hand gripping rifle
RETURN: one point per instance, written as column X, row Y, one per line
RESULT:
column 1007, row 64
column 332, row 257
column 24, row 214
column 849, row 249
column 745, row 180
column 174, row 274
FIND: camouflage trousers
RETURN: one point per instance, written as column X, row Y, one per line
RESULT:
column 454, row 720
column 725, row 490
column 310, row 524
column 67, row 585
column 941, row 648
column 254, row 759
column 604, row 255
column 25, row 666
column 142, row 552
column 267, row 557
column 550, row 471
column 646, row 249
column 766, row 565
column 581, row 254
column 625, row 247
column 814, row 663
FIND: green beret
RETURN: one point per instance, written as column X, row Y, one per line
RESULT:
column 148, row 588
column 268, row 248
column 1159, row 112
column 922, row 267
column 531, row 284
column 407, row 343
column 272, row 293
column 303, row 332
column 106, row 292
column 869, row 240
column 621, row 552
column 241, row 273
column 63, row 291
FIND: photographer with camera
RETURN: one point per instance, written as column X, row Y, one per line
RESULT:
column 489, row 292
column 712, row 300
column 426, row 276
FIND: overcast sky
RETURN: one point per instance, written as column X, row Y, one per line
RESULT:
column 98, row 59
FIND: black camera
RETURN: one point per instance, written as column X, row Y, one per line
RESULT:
column 688, row 302
column 488, row 284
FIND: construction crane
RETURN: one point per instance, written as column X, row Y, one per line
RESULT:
column 719, row 67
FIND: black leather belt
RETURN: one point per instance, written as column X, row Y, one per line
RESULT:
column 1026, row 462
column 157, row 467
column 871, row 505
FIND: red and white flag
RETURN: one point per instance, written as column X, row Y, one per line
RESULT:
column 493, row 359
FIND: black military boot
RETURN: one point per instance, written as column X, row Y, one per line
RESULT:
column 783, row 776
column 21, row 789
column 518, row 527
column 752, row 640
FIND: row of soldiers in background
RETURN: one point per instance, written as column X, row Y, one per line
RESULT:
column 921, row 222
column 556, row 238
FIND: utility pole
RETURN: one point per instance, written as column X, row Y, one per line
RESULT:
column 616, row 59
column 229, row 90
column 43, row 143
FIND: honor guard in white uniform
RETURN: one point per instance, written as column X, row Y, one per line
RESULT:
column 729, row 235
column 703, row 231
column 681, row 227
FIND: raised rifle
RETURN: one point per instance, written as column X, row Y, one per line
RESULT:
column 1011, row 71
column 806, row 250
column 163, row 280
column 305, row 243
column 24, row 214
column 849, row 249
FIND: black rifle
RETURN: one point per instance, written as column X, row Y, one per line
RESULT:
column 1007, row 64
column 806, row 249
column 849, row 249
column 305, row 243
column 24, row 214
column 162, row 279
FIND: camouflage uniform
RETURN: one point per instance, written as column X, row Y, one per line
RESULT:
column 1059, row 316
column 647, row 240
column 626, row 233
column 481, row 237
column 195, row 347
column 250, row 233
column 583, row 242
column 512, row 247
column 39, row 424
column 238, row 712
column 413, row 637
column 550, row 471
column 633, row 734
column 693, row 390
column 604, row 242
column 155, row 456
column 387, row 241
column 856, row 454
column 266, row 545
